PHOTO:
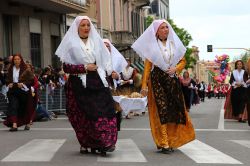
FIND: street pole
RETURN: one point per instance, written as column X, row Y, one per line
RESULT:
column 246, row 49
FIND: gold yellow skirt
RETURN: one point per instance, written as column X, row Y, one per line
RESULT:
column 170, row 134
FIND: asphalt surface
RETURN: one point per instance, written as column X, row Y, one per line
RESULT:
column 218, row 142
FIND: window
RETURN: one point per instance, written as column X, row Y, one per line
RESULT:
column 7, row 36
column 35, row 49
column 55, row 41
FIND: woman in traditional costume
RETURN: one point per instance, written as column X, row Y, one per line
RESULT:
column 33, row 99
column 119, row 63
column 187, row 84
column 19, row 81
column 89, row 103
column 127, row 79
column 238, row 93
column 248, row 92
column 163, row 53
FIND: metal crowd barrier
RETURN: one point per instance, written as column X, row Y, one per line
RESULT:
column 53, row 101
column 3, row 106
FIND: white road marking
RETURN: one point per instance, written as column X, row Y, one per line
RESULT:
column 35, row 150
column 125, row 129
column 221, row 120
column 126, row 151
column 203, row 153
column 245, row 143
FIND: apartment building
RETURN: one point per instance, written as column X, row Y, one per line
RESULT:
column 34, row 28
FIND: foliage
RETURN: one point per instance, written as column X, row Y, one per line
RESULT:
column 244, row 57
column 186, row 38
column 211, row 73
column 149, row 20
column 191, row 61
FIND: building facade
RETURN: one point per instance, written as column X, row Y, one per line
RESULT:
column 160, row 8
column 122, row 21
column 35, row 28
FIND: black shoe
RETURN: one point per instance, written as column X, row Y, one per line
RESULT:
column 93, row 150
column 242, row 121
column 27, row 127
column 103, row 154
column 108, row 149
column 166, row 150
column 13, row 129
column 127, row 117
column 83, row 150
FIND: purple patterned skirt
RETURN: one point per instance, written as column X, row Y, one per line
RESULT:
column 99, row 132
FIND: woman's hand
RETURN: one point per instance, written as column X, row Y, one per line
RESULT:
column 248, row 81
column 10, row 85
column 20, row 85
column 171, row 70
column 144, row 92
column 91, row 67
column 238, row 84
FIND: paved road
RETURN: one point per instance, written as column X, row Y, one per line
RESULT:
column 53, row 143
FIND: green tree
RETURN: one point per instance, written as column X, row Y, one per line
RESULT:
column 149, row 20
column 186, row 38
column 244, row 57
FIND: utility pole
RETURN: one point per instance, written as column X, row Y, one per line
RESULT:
column 246, row 49
column 210, row 48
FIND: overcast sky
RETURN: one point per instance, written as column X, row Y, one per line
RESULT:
column 222, row 23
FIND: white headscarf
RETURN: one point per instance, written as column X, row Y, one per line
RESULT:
column 147, row 46
column 72, row 50
column 119, row 63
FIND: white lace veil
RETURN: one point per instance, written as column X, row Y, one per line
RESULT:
column 72, row 51
column 146, row 46
column 119, row 63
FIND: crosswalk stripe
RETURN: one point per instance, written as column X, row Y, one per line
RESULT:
column 203, row 153
column 245, row 143
column 35, row 150
column 129, row 129
column 126, row 151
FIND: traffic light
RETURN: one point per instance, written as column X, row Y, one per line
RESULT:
column 209, row 48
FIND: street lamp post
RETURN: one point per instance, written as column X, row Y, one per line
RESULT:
column 210, row 48
column 246, row 49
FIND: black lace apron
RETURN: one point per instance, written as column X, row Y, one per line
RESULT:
column 168, row 97
column 95, row 100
